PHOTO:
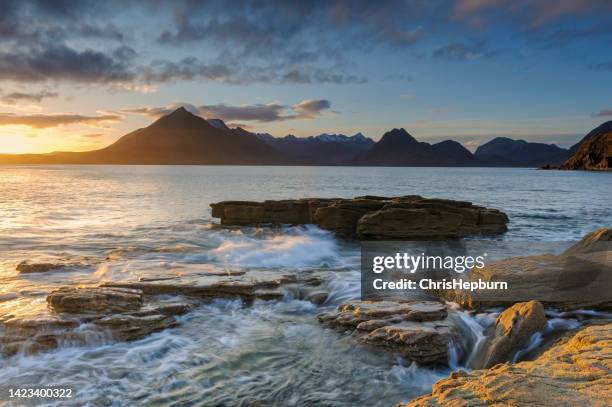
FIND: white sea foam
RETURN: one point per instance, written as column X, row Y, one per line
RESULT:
column 296, row 248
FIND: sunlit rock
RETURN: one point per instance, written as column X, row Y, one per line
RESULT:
column 574, row 372
column 512, row 331
column 578, row 278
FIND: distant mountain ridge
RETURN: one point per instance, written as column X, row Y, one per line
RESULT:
column 504, row 151
column 398, row 148
column 184, row 138
column 324, row 149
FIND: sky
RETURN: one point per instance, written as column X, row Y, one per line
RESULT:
column 77, row 75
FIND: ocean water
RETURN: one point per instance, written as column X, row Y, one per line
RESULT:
column 124, row 222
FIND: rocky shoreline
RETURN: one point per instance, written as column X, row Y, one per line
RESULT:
column 131, row 310
column 428, row 332
column 574, row 372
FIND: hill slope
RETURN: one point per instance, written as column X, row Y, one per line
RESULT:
column 594, row 152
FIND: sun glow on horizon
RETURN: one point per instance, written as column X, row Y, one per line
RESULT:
column 24, row 140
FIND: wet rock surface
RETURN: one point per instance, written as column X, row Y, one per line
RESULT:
column 512, row 331
column 26, row 267
column 581, row 277
column 82, row 314
column 94, row 300
column 131, row 310
column 370, row 217
column 247, row 286
column 574, row 372
column 420, row 331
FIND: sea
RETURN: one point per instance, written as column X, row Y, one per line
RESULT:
column 125, row 222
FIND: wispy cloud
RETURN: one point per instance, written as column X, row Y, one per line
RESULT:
column 37, row 97
column 43, row 121
column 262, row 113
column 461, row 52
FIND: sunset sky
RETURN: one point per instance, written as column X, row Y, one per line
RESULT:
column 76, row 75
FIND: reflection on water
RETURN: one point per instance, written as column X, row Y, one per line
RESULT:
column 117, row 223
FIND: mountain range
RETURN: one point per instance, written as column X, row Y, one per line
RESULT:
column 184, row 138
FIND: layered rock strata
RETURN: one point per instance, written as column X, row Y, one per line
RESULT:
column 420, row 330
column 370, row 217
column 574, row 372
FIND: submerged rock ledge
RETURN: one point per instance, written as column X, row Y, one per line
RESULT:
column 131, row 310
column 369, row 217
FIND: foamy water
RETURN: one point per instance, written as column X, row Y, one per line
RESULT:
column 120, row 223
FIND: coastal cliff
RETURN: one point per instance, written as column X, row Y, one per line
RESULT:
column 593, row 154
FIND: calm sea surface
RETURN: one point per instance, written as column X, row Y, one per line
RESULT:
column 122, row 222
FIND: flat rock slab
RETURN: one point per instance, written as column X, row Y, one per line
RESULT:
column 247, row 286
column 575, row 372
column 581, row 277
column 370, row 217
column 116, row 313
column 420, row 330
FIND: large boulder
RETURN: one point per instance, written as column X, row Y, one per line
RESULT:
column 575, row 372
column 420, row 330
column 581, row 277
column 370, row 217
column 512, row 331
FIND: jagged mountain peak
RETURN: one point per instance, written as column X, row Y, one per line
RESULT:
column 218, row 124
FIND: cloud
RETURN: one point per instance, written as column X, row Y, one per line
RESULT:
column 60, row 62
column 92, row 135
column 262, row 113
column 189, row 68
column 15, row 97
column 43, row 121
column 461, row 52
column 232, row 72
column 156, row 112
column 602, row 113
column 310, row 108
column 270, row 41
column 533, row 14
